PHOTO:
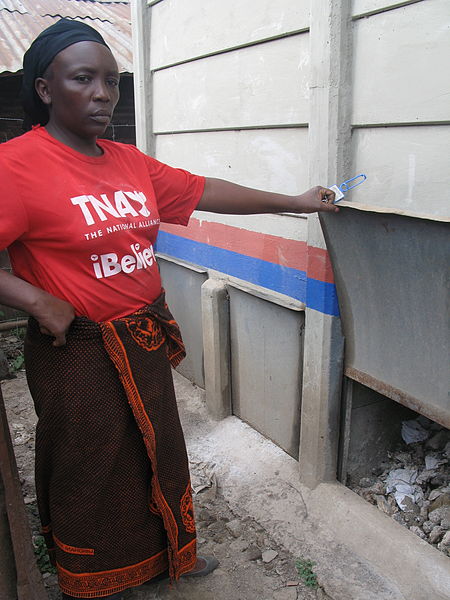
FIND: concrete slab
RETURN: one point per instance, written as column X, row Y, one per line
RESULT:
column 361, row 554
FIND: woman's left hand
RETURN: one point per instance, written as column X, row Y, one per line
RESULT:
column 317, row 199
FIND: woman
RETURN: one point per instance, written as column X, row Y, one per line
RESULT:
column 79, row 217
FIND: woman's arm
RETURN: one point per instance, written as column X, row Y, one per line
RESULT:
column 53, row 315
column 225, row 197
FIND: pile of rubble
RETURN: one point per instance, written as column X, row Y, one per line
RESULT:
column 413, row 485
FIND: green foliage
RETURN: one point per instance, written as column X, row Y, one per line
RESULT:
column 18, row 362
column 20, row 332
column 42, row 558
column 305, row 572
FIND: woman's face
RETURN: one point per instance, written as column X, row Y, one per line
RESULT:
column 81, row 90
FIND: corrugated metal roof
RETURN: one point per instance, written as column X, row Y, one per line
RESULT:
column 12, row 5
column 22, row 20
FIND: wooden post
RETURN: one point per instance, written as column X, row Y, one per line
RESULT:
column 7, row 566
column 18, row 550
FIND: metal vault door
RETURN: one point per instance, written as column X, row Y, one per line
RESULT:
column 392, row 279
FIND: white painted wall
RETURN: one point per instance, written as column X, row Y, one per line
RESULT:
column 287, row 94
column 401, row 79
column 258, row 85
column 275, row 160
column 187, row 29
column 408, row 168
column 221, row 69
column 400, row 65
column 254, row 74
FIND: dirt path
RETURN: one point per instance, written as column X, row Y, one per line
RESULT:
column 252, row 567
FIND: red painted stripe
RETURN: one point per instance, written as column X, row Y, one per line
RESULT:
column 319, row 265
column 270, row 248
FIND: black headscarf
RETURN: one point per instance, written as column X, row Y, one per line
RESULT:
column 40, row 54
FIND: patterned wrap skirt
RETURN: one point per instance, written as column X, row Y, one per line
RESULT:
column 112, row 476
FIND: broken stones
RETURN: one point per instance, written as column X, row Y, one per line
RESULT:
column 440, row 515
column 366, row 482
column 235, row 527
column 439, row 440
column 253, row 553
column 428, row 526
column 440, row 500
column 436, row 534
column 418, row 532
column 386, row 505
column 269, row 555
column 435, row 516
column 287, row 593
column 321, row 595
column 445, row 521
column 402, row 482
column 412, row 485
column 444, row 546
column 413, row 431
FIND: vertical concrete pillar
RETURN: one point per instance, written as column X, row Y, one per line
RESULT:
column 329, row 135
column 216, row 346
column 142, row 76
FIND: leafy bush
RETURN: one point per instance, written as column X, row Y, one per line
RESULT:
column 42, row 557
column 305, row 572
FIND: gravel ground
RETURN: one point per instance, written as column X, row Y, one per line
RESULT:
column 252, row 566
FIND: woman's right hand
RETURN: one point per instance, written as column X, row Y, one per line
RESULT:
column 54, row 316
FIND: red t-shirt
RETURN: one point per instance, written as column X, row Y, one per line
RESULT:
column 83, row 228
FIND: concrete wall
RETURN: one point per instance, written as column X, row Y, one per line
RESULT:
column 396, row 120
column 233, row 82
column 282, row 96
column 400, row 110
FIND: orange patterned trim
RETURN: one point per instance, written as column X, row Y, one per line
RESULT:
column 153, row 507
column 146, row 332
column 118, row 355
column 187, row 510
column 175, row 348
column 104, row 583
column 188, row 557
column 73, row 549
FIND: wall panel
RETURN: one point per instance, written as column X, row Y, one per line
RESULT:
column 400, row 68
column 365, row 6
column 266, row 361
column 259, row 85
column 407, row 168
column 183, row 295
column 273, row 159
column 182, row 30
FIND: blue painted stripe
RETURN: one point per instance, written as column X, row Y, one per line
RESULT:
column 316, row 294
column 322, row 296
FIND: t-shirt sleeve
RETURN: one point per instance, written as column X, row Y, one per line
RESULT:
column 177, row 191
column 13, row 216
